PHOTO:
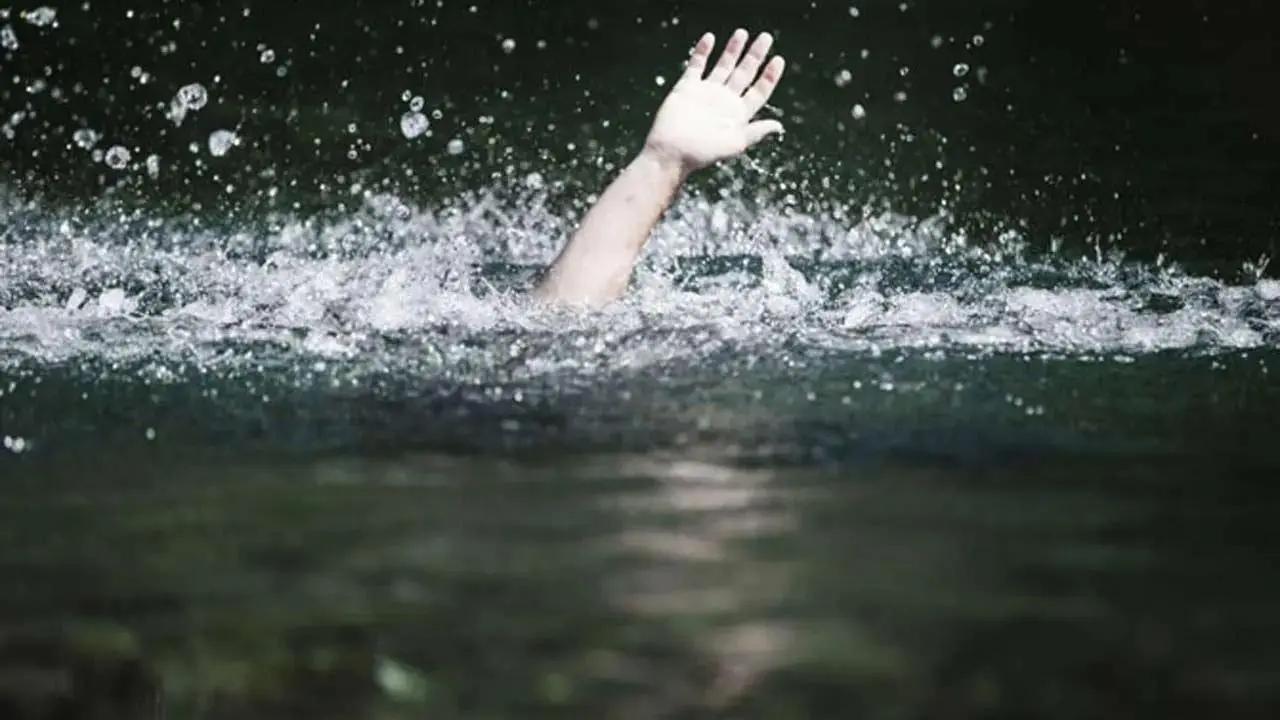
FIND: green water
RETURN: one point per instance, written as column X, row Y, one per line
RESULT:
column 964, row 409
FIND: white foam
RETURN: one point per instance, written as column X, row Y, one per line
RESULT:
column 359, row 286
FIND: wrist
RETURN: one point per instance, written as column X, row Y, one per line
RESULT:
column 664, row 163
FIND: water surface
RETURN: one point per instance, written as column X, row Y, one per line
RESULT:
column 956, row 404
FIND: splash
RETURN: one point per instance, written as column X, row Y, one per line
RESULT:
column 442, row 290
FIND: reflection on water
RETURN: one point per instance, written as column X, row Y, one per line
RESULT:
column 677, row 583
column 779, row 543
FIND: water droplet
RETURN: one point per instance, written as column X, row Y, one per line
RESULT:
column 960, row 70
column 221, row 142
column 113, row 301
column 960, row 94
column 78, row 296
column 86, row 138
column 456, row 147
column 118, row 157
column 859, row 112
column 41, row 16
column 193, row 96
column 843, row 78
column 413, row 124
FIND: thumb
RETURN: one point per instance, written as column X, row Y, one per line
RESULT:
column 762, row 129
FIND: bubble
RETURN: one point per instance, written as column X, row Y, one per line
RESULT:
column 8, row 40
column 221, row 142
column 960, row 70
column 117, row 157
column 150, row 433
column 193, row 96
column 41, row 16
column 417, row 103
column 456, row 146
column 859, row 112
column 413, row 124
column 660, row 80
column 960, row 94
column 900, row 96
column 843, row 78
column 508, row 46
column 534, row 180
column 267, row 57
column 979, row 41
column 854, row 11
column 153, row 166
column 86, row 138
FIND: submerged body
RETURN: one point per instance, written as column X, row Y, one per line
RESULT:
column 708, row 117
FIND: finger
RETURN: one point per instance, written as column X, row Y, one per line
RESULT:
column 763, row 88
column 750, row 66
column 698, row 60
column 729, row 60
column 762, row 129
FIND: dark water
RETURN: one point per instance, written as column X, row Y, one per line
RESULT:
column 961, row 407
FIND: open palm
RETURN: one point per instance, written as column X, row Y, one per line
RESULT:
column 708, row 119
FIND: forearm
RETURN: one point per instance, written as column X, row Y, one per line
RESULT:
column 595, row 266
column 703, row 120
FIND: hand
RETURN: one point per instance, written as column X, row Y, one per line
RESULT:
column 705, row 120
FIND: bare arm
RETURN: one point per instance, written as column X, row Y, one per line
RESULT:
column 703, row 120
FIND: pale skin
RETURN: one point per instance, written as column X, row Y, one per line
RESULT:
column 707, row 118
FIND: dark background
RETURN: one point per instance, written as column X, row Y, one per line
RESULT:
column 1144, row 125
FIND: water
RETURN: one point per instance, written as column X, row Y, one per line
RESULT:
column 958, row 401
